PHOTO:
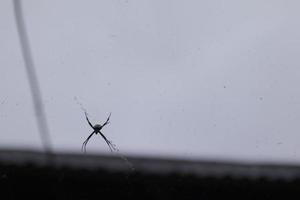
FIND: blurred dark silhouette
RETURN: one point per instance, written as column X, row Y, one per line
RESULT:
column 73, row 176
column 36, row 95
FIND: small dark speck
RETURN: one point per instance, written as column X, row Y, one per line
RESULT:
column 224, row 86
column 260, row 98
column 112, row 35
column 279, row 143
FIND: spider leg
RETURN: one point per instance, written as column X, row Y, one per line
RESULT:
column 88, row 120
column 83, row 148
column 110, row 145
column 107, row 121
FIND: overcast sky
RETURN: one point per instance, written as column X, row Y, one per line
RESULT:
column 193, row 79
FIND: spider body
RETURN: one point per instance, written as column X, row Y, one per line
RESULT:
column 97, row 129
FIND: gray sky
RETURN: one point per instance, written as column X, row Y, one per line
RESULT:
column 194, row 79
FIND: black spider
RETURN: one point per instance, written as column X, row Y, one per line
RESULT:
column 97, row 129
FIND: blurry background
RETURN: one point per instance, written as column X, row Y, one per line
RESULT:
column 192, row 79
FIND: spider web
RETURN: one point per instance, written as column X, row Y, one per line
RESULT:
column 116, row 150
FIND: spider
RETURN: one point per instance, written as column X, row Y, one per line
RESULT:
column 97, row 129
